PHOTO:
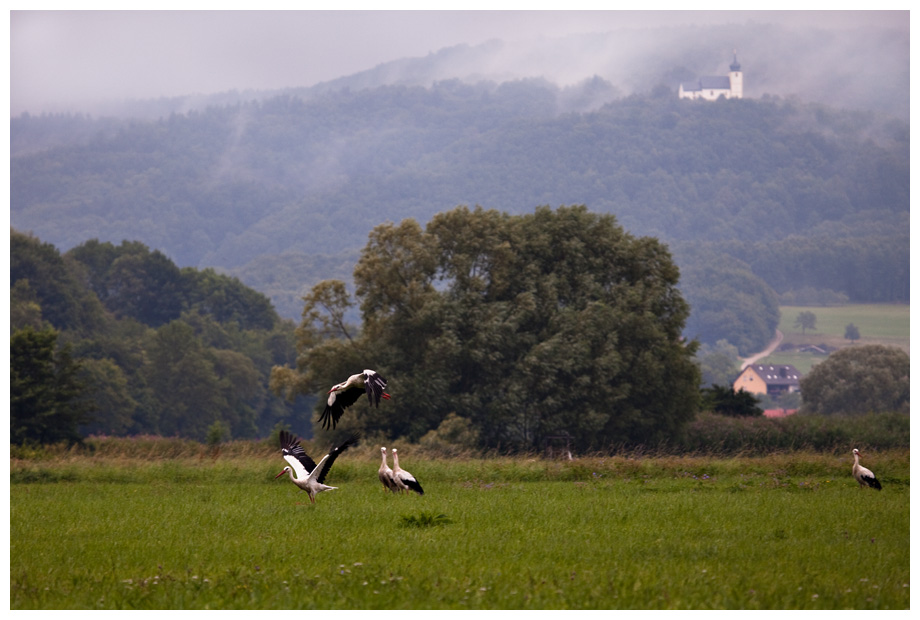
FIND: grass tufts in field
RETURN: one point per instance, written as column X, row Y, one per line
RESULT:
column 424, row 519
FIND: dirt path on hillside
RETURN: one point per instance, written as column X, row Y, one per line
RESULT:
column 778, row 338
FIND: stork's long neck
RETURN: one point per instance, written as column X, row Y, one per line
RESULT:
column 383, row 458
column 395, row 460
column 855, row 459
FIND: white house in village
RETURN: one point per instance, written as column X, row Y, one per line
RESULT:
column 711, row 87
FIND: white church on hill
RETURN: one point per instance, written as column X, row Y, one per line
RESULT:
column 711, row 87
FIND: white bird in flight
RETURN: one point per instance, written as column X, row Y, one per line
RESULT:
column 345, row 394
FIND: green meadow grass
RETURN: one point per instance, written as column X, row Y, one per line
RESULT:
column 787, row 531
column 885, row 324
column 878, row 323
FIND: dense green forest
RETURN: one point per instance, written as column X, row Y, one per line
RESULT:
column 119, row 340
column 282, row 192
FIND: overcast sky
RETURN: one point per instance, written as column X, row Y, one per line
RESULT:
column 63, row 58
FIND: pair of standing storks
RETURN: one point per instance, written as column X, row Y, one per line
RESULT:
column 310, row 475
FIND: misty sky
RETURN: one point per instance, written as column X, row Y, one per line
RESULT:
column 64, row 59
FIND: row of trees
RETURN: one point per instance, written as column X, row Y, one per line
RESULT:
column 495, row 331
column 133, row 344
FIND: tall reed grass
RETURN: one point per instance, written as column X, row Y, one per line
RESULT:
column 709, row 434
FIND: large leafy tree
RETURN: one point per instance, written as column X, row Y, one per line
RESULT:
column 863, row 379
column 528, row 326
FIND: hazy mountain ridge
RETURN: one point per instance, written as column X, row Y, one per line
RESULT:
column 240, row 181
column 866, row 68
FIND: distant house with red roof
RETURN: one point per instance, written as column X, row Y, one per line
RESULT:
column 778, row 413
column 772, row 379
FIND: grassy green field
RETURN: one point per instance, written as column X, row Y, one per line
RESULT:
column 878, row 324
column 885, row 324
column 784, row 531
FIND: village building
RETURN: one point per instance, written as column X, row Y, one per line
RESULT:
column 711, row 87
column 772, row 379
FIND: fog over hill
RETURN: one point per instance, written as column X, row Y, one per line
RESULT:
column 282, row 186
column 855, row 66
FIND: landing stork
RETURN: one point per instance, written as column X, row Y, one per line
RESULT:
column 310, row 476
column 404, row 480
column 345, row 394
column 863, row 476
column 385, row 473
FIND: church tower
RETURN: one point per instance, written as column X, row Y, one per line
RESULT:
column 734, row 78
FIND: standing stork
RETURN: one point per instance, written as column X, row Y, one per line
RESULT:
column 404, row 480
column 863, row 476
column 385, row 473
column 345, row 394
column 310, row 476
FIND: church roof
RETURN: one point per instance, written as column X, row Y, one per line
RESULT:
column 715, row 82
column 710, row 82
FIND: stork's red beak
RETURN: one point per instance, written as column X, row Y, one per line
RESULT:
column 279, row 475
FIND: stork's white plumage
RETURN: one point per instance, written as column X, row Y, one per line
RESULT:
column 310, row 475
column 404, row 480
column 385, row 473
column 345, row 394
column 863, row 476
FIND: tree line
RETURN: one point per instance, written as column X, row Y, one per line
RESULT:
column 496, row 331
column 119, row 340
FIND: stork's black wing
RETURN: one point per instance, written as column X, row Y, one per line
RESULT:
column 413, row 484
column 872, row 481
column 290, row 445
column 334, row 453
column 374, row 385
column 336, row 404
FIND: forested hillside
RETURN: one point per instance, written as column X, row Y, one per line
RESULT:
column 118, row 339
column 802, row 195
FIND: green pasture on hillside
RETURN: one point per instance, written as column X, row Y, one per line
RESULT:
column 885, row 324
column 777, row 532
column 877, row 323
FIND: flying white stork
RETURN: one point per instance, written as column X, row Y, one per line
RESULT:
column 404, row 480
column 345, row 394
column 385, row 473
column 310, row 476
column 863, row 476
